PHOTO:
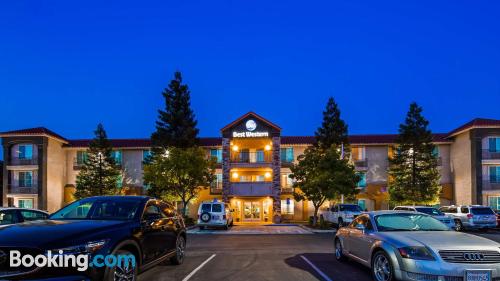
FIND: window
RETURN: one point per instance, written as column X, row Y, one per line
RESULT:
column 362, row 180
column 217, row 183
column 119, row 181
column 25, row 203
column 8, row 217
column 494, row 202
column 81, row 157
column 217, row 154
column 25, row 151
column 146, row 154
column 435, row 151
column 33, row 215
column 494, row 144
column 216, row 208
column 26, row 179
column 260, row 156
column 452, row 210
column 286, row 180
column 287, row 155
column 362, row 220
column 495, row 174
column 464, row 210
column 206, row 208
column 260, row 178
column 117, row 156
column 287, row 206
column 362, row 204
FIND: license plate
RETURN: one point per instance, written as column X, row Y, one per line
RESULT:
column 477, row 275
column 215, row 217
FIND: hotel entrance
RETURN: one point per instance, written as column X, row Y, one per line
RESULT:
column 251, row 211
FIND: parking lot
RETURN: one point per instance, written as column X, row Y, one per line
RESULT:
column 264, row 257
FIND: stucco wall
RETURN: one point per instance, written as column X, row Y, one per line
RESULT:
column 56, row 175
column 378, row 164
column 444, row 169
column 460, row 155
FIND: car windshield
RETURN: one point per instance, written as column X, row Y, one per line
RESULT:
column 430, row 211
column 408, row 222
column 350, row 208
column 482, row 211
column 98, row 209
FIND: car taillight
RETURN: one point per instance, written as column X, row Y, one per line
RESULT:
column 469, row 216
column 224, row 217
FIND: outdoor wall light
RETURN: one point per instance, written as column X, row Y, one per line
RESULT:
column 235, row 175
column 267, row 175
column 235, row 148
column 267, row 147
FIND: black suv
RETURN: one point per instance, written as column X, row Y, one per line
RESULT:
column 106, row 226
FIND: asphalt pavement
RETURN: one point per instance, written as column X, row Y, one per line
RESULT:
column 264, row 257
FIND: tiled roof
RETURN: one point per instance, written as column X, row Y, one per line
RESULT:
column 478, row 122
column 358, row 139
column 33, row 132
column 138, row 143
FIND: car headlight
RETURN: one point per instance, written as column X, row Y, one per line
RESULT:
column 87, row 248
column 349, row 216
column 416, row 253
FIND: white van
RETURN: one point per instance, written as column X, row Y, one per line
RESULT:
column 215, row 214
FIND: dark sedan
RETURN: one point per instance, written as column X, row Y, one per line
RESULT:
column 106, row 227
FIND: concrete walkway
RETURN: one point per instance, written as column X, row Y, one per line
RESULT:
column 254, row 229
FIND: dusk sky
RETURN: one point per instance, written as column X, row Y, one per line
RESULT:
column 68, row 65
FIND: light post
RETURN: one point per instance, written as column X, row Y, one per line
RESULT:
column 99, row 155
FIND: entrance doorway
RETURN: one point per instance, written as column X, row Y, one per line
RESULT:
column 251, row 210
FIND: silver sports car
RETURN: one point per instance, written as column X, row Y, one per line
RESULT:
column 402, row 245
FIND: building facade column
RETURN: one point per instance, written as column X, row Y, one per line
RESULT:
column 276, row 187
column 226, row 184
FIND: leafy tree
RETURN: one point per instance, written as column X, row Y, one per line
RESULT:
column 414, row 177
column 333, row 130
column 176, row 125
column 322, row 175
column 179, row 173
column 99, row 174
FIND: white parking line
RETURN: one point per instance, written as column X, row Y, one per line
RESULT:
column 316, row 269
column 198, row 268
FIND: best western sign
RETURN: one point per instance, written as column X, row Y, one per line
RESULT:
column 250, row 126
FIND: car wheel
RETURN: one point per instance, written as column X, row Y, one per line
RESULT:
column 382, row 269
column 226, row 227
column 341, row 223
column 121, row 272
column 180, row 251
column 458, row 225
column 339, row 255
column 232, row 223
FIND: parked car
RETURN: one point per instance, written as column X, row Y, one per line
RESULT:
column 215, row 214
column 149, row 229
column 471, row 216
column 431, row 211
column 403, row 245
column 342, row 214
column 498, row 217
column 13, row 215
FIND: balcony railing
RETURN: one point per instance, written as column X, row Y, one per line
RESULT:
column 16, row 161
column 216, row 188
column 251, row 157
column 491, row 185
column 251, row 188
column 488, row 155
column 17, row 188
column 360, row 163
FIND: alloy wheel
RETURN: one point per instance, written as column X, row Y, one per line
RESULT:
column 180, row 248
column 338, row 249
column 124, row 272
column 382, row 268
column 458, row 225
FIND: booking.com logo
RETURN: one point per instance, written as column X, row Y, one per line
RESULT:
column 81, row 261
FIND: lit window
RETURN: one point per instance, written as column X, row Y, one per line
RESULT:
column 26, row 179
column 217, row 154
column 494, row 145
column 287, row 206
column 81, row 157
column 117, row 156
column 362, row 180
column 25, row 151
column 495, row 174
column 287, row 155
column 25, row 203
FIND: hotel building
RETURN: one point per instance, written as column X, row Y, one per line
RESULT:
column 253, row 167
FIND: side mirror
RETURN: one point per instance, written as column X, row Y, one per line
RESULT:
column 360, row 227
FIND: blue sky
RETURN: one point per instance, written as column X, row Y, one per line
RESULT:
column 68, row 65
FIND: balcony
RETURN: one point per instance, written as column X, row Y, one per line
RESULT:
column 251, row 189
column 251, row 157
column 491, row 185
column 286, row 190
column 360, row 163
column 216, row 188
column 17, row 188
column 490, row 155
column 16, row 161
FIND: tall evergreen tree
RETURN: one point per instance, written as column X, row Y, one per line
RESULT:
column 333, row 130
column 414, row 177
column 99, row 174
column 176, row 125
